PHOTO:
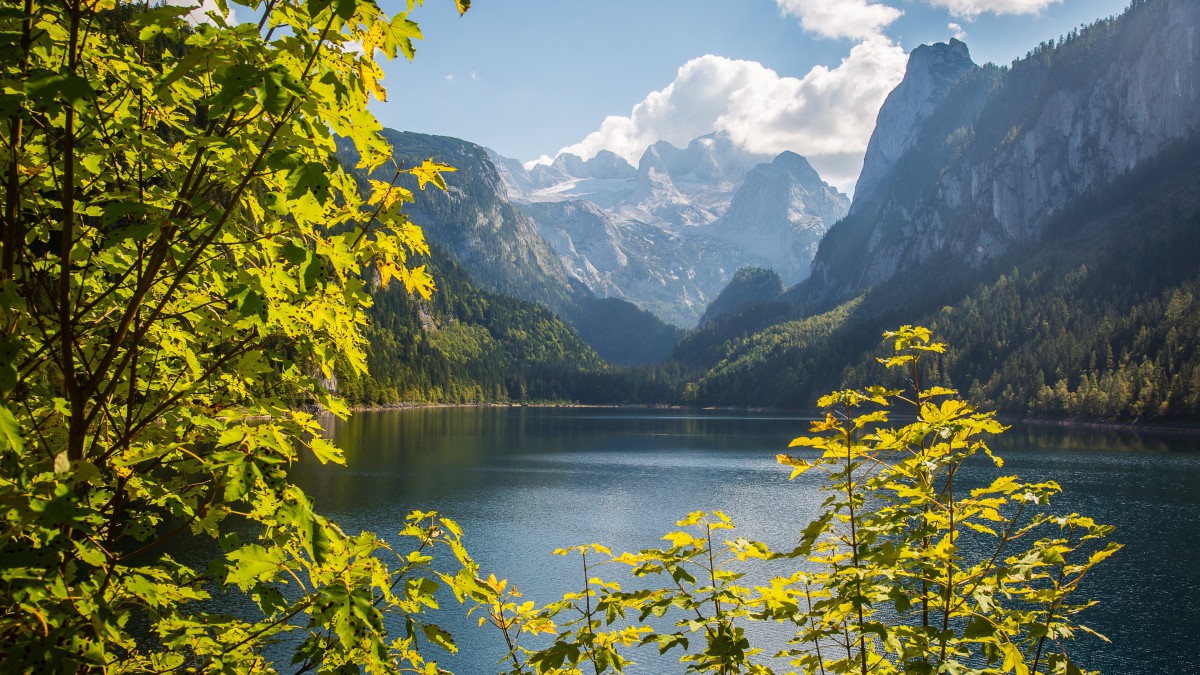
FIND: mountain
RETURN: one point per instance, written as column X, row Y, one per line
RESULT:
column 469, row 345
column 669, row 234
column 984, row 165
column 474, row 221
column 931, row 71
column 749, row 286
column 1042, row 218
column 657, row 268
column 779, row 215
column 465, row 345
column 498, row 244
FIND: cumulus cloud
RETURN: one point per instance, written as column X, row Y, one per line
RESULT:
column 970, row 9
column 856, row 19
column 957, row 31
column 544, row 160
column 827, row 115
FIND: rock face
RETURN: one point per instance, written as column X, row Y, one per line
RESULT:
column 932, row 70
column 779, row 215
column 627, row 259
column 493, row 240
column 1004, row 150
column 668, row 235
column 502, row 250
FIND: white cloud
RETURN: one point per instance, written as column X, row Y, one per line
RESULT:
column 449, row 77
column 827, row 115
column 545, row 160
column 970, row 9
column 957, row 31
column 856, row 19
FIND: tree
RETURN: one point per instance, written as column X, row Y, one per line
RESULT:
column 181, row 263
column 906, row 569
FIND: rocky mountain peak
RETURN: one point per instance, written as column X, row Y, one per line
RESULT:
column 605, row 165
column 780, row 213
column 798, row 167
column 669, row 234
column 1004, row 152
column 932, row 70
column 947, row 56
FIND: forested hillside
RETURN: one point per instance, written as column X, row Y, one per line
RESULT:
column 476, row 226
column 467, row 345
column 1100, row 319
column 1068, row 286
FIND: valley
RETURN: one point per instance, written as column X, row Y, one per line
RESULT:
column 1039, row 215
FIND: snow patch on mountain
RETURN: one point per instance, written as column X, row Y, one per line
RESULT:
column 669, row 234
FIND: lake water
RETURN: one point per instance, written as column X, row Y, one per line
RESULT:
column 524, row 481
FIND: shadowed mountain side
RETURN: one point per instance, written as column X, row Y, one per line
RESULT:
column 501, row 250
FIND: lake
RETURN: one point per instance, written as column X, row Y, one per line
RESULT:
column 524, row 481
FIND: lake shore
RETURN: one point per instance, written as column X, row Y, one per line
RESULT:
column 1187, row 428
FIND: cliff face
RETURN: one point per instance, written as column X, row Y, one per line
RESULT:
column 932, row 71
column 473, row 219
column 779, row 215
column 985, row 167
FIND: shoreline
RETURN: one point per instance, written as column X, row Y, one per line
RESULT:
column 1181, row 428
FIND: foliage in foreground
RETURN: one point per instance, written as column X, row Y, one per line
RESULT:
column 909, row 568
column 180, row 266
column 180, row 269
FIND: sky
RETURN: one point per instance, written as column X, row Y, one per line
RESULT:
column 533, row 78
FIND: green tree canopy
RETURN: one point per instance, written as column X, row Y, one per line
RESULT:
column 182, row 262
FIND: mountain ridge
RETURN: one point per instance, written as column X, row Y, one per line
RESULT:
column 678, row 228
column 1006, row 148
column 1043, row 221
column 501, row 249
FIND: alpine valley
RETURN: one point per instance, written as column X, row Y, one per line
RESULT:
column 1043, row 217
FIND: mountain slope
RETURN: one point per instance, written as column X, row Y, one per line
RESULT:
column 501, row 249
column 749, row 286
column 1099, row 319
column 670, row 234
column 1007, row 148
column 465, row 345
column 1043, row 220
column 473, row 220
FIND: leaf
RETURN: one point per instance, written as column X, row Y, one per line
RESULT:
column 326, row 451
column 430, row 171
column 679, row 539
column 10, row 432
column 253, row 306
column 191, row 59
column 253, row 563
column 157, row 20
column 311, row 178
column 45, row 89
column 312, row 530
column 440, row 638
column 798, row 465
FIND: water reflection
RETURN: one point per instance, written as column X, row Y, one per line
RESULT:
column 523, row 481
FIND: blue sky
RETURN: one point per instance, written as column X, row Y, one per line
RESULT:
column 529, row 78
